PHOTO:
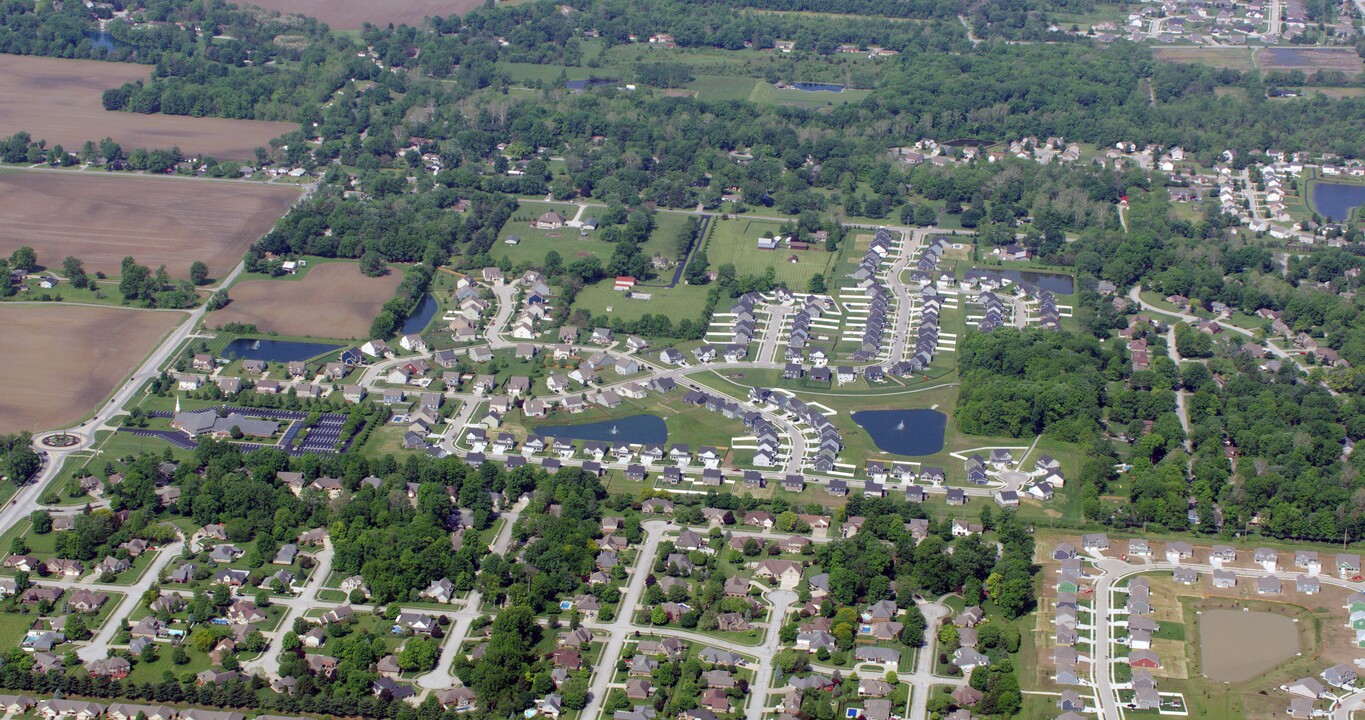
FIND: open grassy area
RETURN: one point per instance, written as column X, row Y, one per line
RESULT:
column 533, row 243
column 12, row 628
column 735, row 241
column 683, row 301
column 686, row 423
column 545, row 74
column 765, row 93
column 1117, row 14
column 722, row 88
column 1235, row 58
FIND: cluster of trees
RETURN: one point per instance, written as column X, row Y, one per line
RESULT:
column 1029, row 382
column 560, row 524
column 405, row 301
column 22, row 148
column 138, row 284
column 1286, row 431
column 406, row 228
column 16, row 674
column 18, row 460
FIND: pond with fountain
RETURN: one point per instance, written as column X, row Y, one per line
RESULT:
column 636, row 429
column 904, row 432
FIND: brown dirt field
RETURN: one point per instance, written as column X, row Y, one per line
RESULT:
column 102, row 218
column 61, row 101
column 332, row 300
column 62, row 360
column 353, row 14
column 1310, row 59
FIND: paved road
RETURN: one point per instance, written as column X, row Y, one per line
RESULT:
column 1115, row 569
column 1181, row 402
column 772, row 333
column 923, row 678
column 781, row 601
column 26, row 499
column 900, row 333
column 440, row 677
column 269, row 661
column 98, row 648
column 623, row 626
column 1135, row 294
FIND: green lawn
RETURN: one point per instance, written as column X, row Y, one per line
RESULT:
column 683, row 301
column 546, row 74
column 722, row 88
column 13, row 626
column 535, row 243
column 153, row 672
column 686, row 423
column 736, row 241
column 765, row 93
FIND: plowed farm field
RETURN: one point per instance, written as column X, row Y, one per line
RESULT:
column 332, row 300
column 101, row 218
column 353, row 14
column 61, row 101
column 62, row 360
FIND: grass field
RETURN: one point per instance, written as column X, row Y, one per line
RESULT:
column 354, row 14
column 686, row 423
column 722, row 88
column 545, row 74
column 159, row 221
column 1236, row 58
column 683, row 301
column 534, row 242
column 61, row 101
column 764, row 93
column 333, row 300
column 1116, row 14
column 62, row 361
column 13, row 626
column 736, row 241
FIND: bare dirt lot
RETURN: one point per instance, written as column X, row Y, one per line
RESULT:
column 61, row 101
column 353, row 14
column 102, row 218
column 333, row 300
column 62, row 360
column 1310, row 59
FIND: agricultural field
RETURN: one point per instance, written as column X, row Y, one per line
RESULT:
column 333, row 300
column 354, row 14
column 62, row 361
column 1236, row 58
column 61, row 101
column 736, row 241
column 160, row 221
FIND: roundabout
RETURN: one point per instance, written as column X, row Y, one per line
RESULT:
column 61, row 440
